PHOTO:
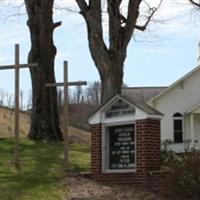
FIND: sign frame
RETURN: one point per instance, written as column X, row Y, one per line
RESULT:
column 105, row 148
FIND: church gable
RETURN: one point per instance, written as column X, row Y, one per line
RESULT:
column 122, row 108
column 184, row 92
column 119, row 108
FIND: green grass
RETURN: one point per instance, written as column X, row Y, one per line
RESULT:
column 42, row 176
column 79, row 158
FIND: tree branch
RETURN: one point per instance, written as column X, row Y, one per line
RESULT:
column 92, row 14
column 152, row 12
column 128, row 29
column 57, row 24
column 83, row 6
column 143, row 28
column 114, row 24
column 195, row 3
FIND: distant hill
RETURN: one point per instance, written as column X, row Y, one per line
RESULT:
column 7, row 126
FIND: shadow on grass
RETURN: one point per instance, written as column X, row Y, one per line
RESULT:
column 41, row 173
column 80, row 158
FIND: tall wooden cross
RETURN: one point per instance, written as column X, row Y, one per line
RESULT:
column 17, row 66
column 65, row 84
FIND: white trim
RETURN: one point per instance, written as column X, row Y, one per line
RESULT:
column 102, row 108
column 120, row 170
column 193, row 108
column 174, row 84
column 105, row 148
column 155, row 117
column 99, row 116
column 192, row 128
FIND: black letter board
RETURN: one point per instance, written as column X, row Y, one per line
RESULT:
column 122, row 147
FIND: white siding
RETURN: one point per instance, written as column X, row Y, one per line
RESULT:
column 179, row 98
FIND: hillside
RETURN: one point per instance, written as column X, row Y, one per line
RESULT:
column 7, row 126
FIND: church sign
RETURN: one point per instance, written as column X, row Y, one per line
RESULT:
column 120, row 108
column 122, row 147
column 125, row 143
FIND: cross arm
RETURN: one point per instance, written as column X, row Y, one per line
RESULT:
column 78, row 83
column 5, row 67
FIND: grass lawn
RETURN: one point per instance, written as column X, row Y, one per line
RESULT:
column 42, row 176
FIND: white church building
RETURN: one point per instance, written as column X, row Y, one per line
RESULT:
column 180, row 105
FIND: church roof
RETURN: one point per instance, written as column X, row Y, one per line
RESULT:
column 142, row 94
column 151, row 112
column 141, row 105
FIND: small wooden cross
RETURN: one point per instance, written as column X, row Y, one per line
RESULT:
column 65, row 84
column 17, row 66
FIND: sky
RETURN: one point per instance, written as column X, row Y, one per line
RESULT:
column 167, row 50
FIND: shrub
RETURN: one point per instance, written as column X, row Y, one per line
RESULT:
column 167, row 155
column 183, row 180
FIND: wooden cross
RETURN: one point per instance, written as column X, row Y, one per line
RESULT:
column 65, row 84
column 17, row 66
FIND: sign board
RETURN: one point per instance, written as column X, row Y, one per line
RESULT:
column 122, row 147
column 120, row 108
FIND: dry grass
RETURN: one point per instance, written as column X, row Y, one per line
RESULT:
column 7, row 126
column 7, row 122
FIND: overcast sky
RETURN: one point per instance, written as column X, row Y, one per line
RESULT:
column 158, row 57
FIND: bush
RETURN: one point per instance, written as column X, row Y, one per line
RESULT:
column 167, row 155
column 183, row 180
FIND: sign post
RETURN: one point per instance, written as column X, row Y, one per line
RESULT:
column 65, row 84
column 17, row 66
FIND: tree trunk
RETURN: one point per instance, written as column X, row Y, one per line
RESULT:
column 109, row 58
column 44, row 118
column 111, row 77
column 111, row 86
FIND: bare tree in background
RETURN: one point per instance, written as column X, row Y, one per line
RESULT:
column 21, row 99
column 45, row 118
column 10, row 100
column 2, row 97
column 29, row 101
column 78, row 93
column 93, row 93
column 109, row 59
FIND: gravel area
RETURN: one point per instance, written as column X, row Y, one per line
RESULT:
column 87, row 189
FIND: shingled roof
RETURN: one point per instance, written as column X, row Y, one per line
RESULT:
column 137, row 96
column 141, row 105
column 142, row 94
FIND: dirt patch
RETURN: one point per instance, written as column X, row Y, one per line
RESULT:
column 87, row 189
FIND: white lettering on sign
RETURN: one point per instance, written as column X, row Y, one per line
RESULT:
column 122, row 147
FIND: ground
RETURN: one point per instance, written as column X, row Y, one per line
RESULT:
column 41, row 176
column 87, row 189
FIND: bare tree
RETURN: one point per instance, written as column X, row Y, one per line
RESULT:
column 109, row 59
column 78, row 93
column 10, row 100
column 29, row 101
column 45, row 118
column 93, row 93
column 195, row 2
column 2, row 96
column 21, row 99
